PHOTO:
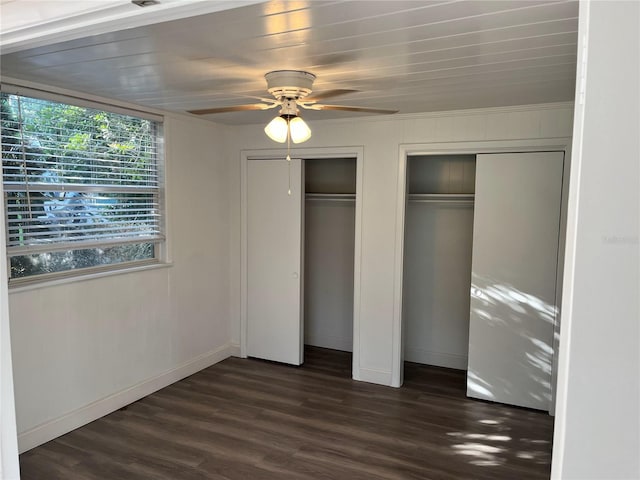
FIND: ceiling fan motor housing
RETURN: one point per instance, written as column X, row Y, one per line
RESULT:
column 289, row 84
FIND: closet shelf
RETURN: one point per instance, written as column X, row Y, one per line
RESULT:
column 458, row 198
column 332, row 197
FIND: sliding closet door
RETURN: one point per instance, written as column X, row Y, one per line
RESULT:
column 274, row 260
column 513, row 285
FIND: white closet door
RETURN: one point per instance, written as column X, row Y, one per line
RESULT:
column 274, row 261
column 513, row 284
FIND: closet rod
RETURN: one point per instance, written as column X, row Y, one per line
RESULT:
column 332, row 197
column 445, row 202
column 452, row 198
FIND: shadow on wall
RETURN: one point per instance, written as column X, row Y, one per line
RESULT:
column 511, row 346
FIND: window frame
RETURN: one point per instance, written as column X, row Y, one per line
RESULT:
column 160, row 251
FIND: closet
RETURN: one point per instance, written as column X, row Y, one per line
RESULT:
column 329, row 244
column 437, row 266
column 480, row 270
column 300, row 244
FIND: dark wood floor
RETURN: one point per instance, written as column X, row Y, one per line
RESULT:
column 249, row 419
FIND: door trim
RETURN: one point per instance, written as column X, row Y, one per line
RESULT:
column 356, row 152
column 453, row 148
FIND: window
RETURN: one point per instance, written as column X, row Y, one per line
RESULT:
column 82, row 188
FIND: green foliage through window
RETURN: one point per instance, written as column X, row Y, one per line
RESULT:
column 81, row 186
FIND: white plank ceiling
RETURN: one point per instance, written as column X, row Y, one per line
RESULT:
column 411, row 56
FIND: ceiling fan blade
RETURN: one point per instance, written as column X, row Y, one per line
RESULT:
column 328, row 94
column 234, row 108
column 346, row 108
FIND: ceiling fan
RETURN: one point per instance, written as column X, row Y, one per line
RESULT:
column 290, row 89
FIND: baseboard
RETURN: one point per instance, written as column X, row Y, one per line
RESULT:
column 234, row 349
column 59, row 426
column 439, row 359
column 334, row 343
column 380, row 377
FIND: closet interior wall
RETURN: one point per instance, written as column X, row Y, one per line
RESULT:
column 329, row 243
column 437, row 259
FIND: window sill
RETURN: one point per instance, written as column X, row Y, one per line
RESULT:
column 80, row 277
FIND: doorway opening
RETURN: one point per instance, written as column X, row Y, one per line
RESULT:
column 329, row 257
column 273, row 247
column 480, row 258
column 437, row 259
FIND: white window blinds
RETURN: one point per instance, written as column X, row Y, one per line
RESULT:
column 76, row 177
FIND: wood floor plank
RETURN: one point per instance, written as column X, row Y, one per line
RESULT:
column 251, row 419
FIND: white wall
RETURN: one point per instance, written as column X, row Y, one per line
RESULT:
column 436, row 284
column 9, row 466
column 597, row 434
column 83, row 349
column 381, row 138
column 329, row 245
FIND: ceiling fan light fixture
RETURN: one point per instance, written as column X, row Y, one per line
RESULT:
column 299, row 130
column 283, row 126
column 277, row 129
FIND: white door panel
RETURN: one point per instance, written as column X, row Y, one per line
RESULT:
column 513, row 285
column 274, row 261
